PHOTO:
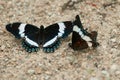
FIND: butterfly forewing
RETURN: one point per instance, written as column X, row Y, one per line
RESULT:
column 20, row 30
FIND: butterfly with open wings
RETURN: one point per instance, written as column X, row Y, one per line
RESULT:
column 33, row 37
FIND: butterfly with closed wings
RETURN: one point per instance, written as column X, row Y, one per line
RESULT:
column 81, row 38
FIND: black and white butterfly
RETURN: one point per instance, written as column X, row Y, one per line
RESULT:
column 81, row 38
column 34, row 37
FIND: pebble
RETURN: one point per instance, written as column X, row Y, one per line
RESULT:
column 117, row 72
column 2, row 47
column 94, row 78
column 1, row 32
column 106, row 75
column 31, row 71
column 38, row 71
column 47, row 77
column 114, row 67
column 71, row 58
column 113, row 39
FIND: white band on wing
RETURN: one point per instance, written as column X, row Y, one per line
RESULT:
column 61, row 29
column 83, row 36
column 50, row 42
column 31, row 42
column 22, row 29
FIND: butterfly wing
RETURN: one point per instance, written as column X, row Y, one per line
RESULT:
column 78, row 23
column 81, row 39
column 30, row 34
column 20, row 30
column 54, row 32
column 77, row 42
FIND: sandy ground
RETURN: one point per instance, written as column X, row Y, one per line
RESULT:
column 64, row 64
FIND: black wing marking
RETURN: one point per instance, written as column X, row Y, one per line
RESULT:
column 19, row 30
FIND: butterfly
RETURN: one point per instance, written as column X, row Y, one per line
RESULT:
column 81, row 38
column 33, row 38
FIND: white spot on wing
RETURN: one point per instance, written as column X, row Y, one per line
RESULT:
column 22, row 29
column 76, row 29
column 86, row 38
column 89, row 44
column 61, row 29
column 31, row 42
column 50, row 42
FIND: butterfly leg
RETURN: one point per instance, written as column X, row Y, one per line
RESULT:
column 28, row 47
column 52, row 47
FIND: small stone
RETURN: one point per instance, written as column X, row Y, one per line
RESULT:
column 38, row 71
column 31, row 71
column 48, row 72
column 114, row 67
column 117, row 72
column 94, row 78
column 113, row 39
column 47, row 77
column 1, row 31
column 71, row 58
column 2, row 47
column 105, row 73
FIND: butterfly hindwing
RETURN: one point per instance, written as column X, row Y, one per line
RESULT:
column 52, row 47
column 32, row 41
